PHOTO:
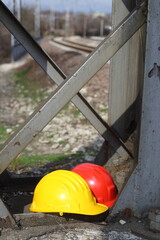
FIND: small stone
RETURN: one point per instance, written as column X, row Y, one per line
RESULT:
column 67, row 147
column 8, row 130
column 44, row 141
column 89, row 158
column 82, row 149
column 84, row 91
column 118, row 161
column 54, row 146
column 122, row 222
column 75, row 150
column 21, row 120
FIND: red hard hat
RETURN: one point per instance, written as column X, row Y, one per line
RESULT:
column 99, row 181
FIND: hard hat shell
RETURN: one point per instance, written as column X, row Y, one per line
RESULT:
column 64, row 191
column 99, row 181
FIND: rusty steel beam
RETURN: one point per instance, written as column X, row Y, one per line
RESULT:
column 69, row 87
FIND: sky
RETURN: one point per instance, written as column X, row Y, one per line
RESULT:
column 87, row 6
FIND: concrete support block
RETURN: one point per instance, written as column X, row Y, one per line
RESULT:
column 38, row 219
column 155, row 226
column 154, row 214
column 154, row 217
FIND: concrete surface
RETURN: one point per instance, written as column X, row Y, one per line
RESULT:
column 81, row 230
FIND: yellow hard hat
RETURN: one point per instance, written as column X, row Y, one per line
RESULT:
column 64, row 191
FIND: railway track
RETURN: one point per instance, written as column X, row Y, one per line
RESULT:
column 75, row 45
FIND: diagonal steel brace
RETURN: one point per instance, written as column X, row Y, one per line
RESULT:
column 69, row 87
column 56, row 74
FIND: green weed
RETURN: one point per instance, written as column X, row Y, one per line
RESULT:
column 75, row 112
column 3, row 133
column 28, row 88
column 63, row 142
column 36, row 160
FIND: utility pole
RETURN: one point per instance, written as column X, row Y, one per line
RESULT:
column 37, row 19
column 52, row 17
column 67, row 22
column 101, row 26
column 85, row 26
column 16, row 10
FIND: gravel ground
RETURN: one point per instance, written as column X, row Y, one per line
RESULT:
column 69, row 131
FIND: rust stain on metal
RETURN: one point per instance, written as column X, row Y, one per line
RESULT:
column 17, row 144
column 127, row 212
column 5, row 222
column 145, row 11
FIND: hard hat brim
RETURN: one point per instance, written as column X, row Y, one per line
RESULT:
column 98, row 209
